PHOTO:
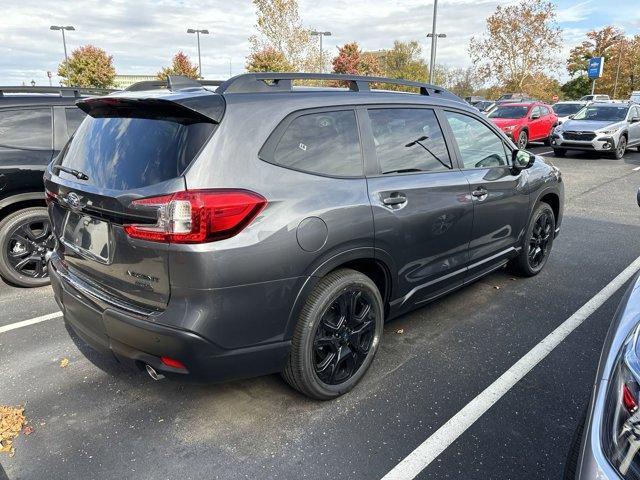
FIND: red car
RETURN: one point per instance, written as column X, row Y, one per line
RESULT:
column 525, row 122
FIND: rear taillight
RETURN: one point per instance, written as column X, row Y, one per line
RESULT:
column 197, row 216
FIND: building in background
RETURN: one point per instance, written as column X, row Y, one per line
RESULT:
column 123, row 81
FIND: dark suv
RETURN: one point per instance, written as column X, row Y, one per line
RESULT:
column 266, row 227
column 35, row 123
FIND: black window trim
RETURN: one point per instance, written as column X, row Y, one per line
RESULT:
column 373, row 168
column 34, row 107
column 508, row 144
column 267, row 151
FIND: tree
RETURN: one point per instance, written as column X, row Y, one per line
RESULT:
column 542, row 86
column 576, row 88
column 88, row 66
column 621, row 60
column 404, row 61
column 461, row 81
column 351, row 60
column 521, row 41
column 268, row 60
column 180, row 65
column 279, row 27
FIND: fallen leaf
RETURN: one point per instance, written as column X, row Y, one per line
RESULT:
column 28, row 430
column 400, row 331
column 11, row 422
column 64, row 362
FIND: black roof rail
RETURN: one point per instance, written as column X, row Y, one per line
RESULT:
column 282, row 82
column 173, row 82
column 62, row 91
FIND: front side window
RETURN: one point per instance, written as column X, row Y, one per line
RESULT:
column 479, row 146
column 326, row 143
column 408, row 140
column 509, row 111
column 27, row 128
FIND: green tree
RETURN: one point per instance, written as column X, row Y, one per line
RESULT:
column 576, row 87
column 279, row 27
column 404, row 61
column 180, row 65
column 88, row 66
column 268, row 60
column 521, row 41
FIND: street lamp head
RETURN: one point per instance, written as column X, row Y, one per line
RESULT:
column 69, row 27
column 327, row 34
column 204, row 32
column 55, row 27
column 190, row 30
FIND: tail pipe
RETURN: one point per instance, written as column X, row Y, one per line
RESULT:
column 152, row 373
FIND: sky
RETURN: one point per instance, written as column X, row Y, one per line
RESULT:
column 143, row 35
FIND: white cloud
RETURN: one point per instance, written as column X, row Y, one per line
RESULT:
column 576, row 13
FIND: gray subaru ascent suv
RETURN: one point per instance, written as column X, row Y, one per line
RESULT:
column 267, row 227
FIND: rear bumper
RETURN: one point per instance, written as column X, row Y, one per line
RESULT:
column 137, row 339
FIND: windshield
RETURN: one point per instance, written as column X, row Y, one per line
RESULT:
column 566, row 109
column 509, row 111
column 601, row 113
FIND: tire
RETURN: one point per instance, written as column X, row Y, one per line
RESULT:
column 537, row 243
column 523, row 140
column 559, row 152
column 311, row 368
column 621, row 148
column 18, row 244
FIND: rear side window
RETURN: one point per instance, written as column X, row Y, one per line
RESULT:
column 408, row 140
column 74, row 117
column 124, row 153
column 326, row 143
column 26, row 128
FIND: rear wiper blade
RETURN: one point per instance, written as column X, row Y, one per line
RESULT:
column 72, row 171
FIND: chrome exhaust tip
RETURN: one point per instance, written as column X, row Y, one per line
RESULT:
column 153, row 374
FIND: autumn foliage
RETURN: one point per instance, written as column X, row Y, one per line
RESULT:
column 268, row 60
column 180, row 65
column 88, row 66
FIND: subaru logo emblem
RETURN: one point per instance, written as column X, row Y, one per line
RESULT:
column 73, row 201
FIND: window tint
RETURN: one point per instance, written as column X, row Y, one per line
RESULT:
column 26, row 128
column 123, row 153
column 408, row 139
column 479, row 146
column 536, row 111
column 326, row 143
column 74, row 118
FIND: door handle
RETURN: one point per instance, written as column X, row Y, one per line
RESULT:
column 480, row 193
column 396, row 198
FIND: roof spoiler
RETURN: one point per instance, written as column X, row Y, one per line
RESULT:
column 200, row 109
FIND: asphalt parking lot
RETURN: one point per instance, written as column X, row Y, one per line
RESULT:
column 93, row 419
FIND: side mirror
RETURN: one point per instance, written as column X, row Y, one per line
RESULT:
column 635, row 120
column 535, row 116
column 522, row 160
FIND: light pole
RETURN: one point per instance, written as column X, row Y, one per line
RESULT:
column 619, row 38
column 198, row 32
column 316, row 33
column 62, row 28
column 434, row 46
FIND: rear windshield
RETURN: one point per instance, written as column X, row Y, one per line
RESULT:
column 126, row 153
column 509, row 111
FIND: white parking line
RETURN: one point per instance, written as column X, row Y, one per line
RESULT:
column 433, row 446
column 636, row 169
column 546, row 153
column 31, row 321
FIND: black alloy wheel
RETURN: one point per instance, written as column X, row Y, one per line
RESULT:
column 540, row 240
column 344, row 337
column 336, row 336
column 26, row 237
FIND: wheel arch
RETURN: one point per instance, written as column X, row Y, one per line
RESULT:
column 21, row 201
column 373, row 263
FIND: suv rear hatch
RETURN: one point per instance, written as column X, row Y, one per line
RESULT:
column 127, row 149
